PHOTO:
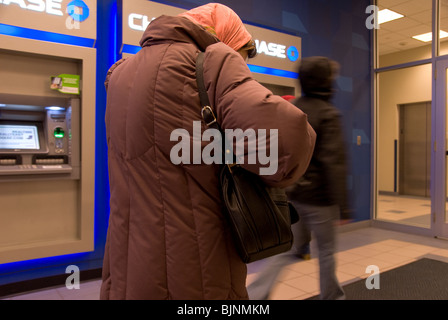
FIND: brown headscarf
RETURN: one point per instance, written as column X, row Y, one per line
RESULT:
column 222, row 22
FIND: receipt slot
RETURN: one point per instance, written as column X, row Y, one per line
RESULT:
column 39, row 140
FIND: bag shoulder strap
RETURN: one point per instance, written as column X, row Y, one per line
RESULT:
column 207, row 112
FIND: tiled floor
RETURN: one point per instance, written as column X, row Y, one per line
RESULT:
column 408, row 210
column 357, row 249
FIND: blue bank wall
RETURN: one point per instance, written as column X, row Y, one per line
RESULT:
column 335, row 29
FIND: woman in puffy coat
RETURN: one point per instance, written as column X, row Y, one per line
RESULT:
column 167, row 237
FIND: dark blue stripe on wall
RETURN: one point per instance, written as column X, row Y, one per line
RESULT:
column 128, row 48
column 15, row 31
column 273, row 72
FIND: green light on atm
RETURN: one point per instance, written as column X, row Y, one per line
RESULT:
column 59, row 133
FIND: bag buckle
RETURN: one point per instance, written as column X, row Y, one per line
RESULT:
column 208, row 108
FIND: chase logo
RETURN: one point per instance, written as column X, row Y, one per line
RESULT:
column 292, row 53
column 78, row 10
column 277, row 50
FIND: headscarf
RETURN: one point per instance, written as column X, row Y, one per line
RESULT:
column 222, row 22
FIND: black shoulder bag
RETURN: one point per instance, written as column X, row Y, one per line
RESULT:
column 259, row 216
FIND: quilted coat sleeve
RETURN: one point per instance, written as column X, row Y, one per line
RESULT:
column 285, row 139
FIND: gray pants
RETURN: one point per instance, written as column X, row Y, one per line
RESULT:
column 321, row 222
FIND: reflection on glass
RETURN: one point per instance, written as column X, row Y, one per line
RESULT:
column 444, row 51
column 403, row 149
column 446, row 159
column 395, row 39
column 444, row 26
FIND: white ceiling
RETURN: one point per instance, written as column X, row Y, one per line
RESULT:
column 397, row 35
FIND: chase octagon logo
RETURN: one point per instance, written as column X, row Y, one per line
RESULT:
column 292, row 53
column 78, row 10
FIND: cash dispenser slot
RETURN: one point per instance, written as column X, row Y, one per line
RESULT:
column 56, row 160
column 35, row 169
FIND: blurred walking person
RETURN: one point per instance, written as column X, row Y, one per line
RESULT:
column 320, row 195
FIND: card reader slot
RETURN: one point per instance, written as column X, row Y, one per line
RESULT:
column 10, row 160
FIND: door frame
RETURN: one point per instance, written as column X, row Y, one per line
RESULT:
column 439, row 221
column 402, row 110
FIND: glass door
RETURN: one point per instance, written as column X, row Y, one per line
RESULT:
column 440, row 151
column 404, row 125
column 404, row 117
column 411, row 117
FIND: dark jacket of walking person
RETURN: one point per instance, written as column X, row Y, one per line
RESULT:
column 325, row 181
column 167, row 237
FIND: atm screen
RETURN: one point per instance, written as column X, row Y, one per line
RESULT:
column 19, row 137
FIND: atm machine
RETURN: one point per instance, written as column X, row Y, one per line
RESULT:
column 47, row 129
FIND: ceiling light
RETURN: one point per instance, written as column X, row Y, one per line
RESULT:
column 387, row 15
column 427, row 37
